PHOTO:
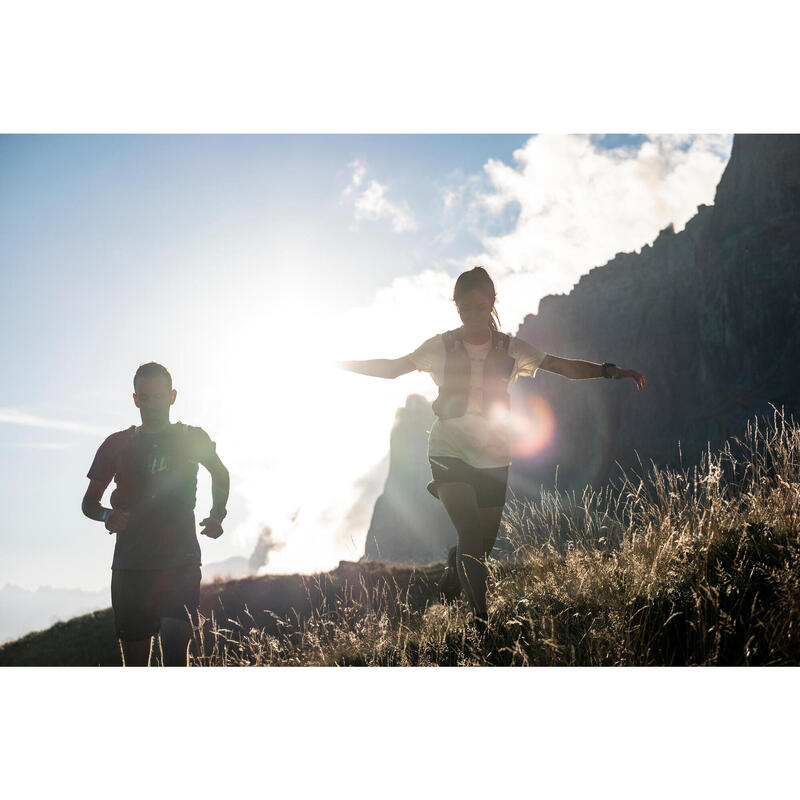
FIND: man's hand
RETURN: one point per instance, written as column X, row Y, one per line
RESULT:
column 211, row 528
column 117, row 521
column 631, row 373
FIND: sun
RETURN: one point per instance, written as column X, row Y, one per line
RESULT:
column 300, row 432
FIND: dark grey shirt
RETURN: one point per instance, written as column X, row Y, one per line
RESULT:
column 156, row 480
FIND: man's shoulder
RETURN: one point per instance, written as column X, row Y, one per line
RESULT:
column 119, row 438
column 112, row 448
column 196, row 439
column 194, row 431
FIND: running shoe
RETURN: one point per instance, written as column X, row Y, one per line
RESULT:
column 449, row 586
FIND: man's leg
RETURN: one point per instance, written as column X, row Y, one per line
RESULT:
column 134, row 615
column 181, row 598
column 175, row 637
column 137, row 654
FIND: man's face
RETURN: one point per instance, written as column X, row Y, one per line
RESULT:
column 153, row 397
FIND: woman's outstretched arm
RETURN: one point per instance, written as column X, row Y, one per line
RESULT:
column 574, row 369
column 381, row 367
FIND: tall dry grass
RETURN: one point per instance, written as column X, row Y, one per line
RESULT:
column 661, row 567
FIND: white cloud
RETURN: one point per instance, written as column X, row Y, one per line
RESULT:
column 451, row 199
column 372, row 204
column 15, row 417
column 579, row 204
column 356, row 179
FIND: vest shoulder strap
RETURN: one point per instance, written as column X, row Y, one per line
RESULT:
column 451, row 339
column 501, row 341
column 179, row 427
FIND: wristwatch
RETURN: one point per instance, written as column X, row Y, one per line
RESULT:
column 106, row 514
column 607, row 370
column 218, row 514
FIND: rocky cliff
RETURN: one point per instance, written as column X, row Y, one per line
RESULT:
column 408, row 524
column 709, row 315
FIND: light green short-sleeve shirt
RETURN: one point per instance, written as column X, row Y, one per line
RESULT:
column 473, row 438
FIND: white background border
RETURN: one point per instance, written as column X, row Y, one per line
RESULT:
column 411, row 67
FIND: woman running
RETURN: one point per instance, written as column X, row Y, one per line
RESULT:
column 469, row 449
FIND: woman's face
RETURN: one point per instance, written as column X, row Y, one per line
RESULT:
column 475, row 309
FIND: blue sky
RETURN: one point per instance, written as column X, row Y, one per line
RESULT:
column 93, row 226
column 243, row 263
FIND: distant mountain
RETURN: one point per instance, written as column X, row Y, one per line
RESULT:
column 230, row 569
column 22, row 610
column 25, row 610
column 408, row 524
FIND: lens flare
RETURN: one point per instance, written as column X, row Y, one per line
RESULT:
column 498, row 414
column 533, row 426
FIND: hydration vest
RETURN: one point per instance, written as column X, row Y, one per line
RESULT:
column 454, row 391
column 135, row 465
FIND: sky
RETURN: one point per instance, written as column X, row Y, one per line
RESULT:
column 249, row 265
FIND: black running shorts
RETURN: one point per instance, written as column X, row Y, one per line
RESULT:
column 489, row 484
column 140, row 597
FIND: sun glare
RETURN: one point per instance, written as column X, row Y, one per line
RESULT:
column 305, row 440
column 304, row 437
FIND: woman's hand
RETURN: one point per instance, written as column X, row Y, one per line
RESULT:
column 631, row 373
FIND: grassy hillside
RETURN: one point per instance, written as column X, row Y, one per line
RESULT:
column 273, row 603
column 667, row 567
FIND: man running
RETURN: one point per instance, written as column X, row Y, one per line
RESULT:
column 155, row 581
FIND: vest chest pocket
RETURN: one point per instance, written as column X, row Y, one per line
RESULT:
column 497, row 370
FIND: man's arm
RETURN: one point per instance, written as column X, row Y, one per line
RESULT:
column 115, row 520
column 220, row 488
column 575, row 369
column 381, row 367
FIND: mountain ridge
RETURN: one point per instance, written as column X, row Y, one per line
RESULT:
column 706, row 314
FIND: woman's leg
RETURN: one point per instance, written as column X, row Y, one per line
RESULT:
column 490, row 525
column 449, row 585
column 462, row 507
